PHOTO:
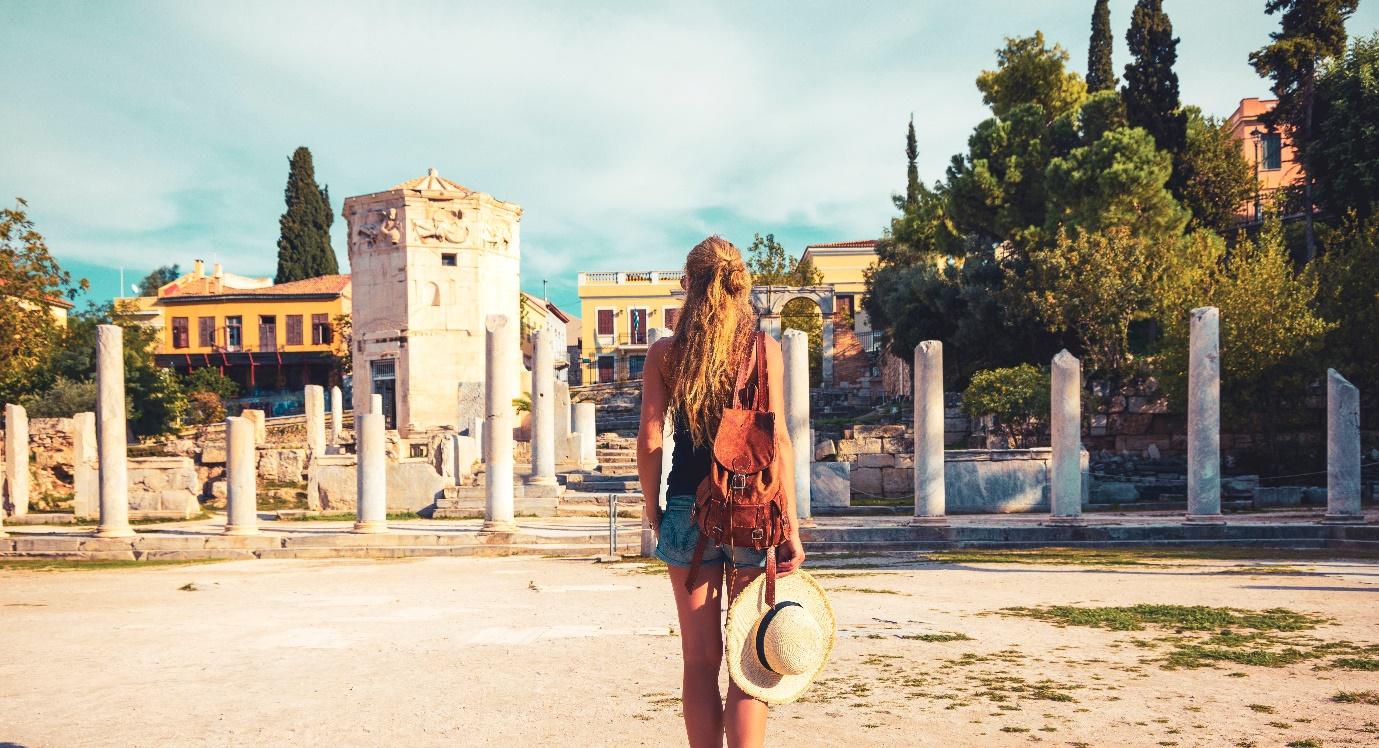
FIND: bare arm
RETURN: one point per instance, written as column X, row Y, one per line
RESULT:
column 651, row 433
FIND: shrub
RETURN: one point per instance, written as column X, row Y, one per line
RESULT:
column 63, row 399
column 1018, row 398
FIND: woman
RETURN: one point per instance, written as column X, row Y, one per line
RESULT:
column 690, row 377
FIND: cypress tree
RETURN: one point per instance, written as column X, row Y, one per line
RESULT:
column 912, row 172
column 1100, row 76
column 1151, row 86
column 304, row 240
column 1312, row 31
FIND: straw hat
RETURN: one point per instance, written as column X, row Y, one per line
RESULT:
column 775, row 652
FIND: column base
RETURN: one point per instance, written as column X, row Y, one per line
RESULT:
column 498, row 526
column 371, row 527
column 1343, row 519
column 114, row 532
column 542, row 480
column 939, row 521
column 241, row 530
column 588, row 466
column 1072, row 520
column 1204, row 519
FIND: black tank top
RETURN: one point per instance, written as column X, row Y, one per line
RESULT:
column 688, row 464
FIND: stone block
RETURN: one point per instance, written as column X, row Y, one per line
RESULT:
column 825, row 450
column 886, row 430
column 1314, row 495
column 830, row 485
column 282, row 465
column 412, row 485
column 982, row 481
column 898, row 445
column 875, row 461
column 905, row 460
column 213, row 451
column 896, row 482
column 1277, row 496
column 866, row 446
column 1113, row 492
column 867, row 482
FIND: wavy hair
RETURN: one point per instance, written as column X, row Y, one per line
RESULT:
column 711, row 335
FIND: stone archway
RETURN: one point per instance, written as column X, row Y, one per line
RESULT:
column 770, row 301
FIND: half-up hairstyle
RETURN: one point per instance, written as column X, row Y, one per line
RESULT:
column 711, row 335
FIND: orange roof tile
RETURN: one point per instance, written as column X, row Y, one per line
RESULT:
column 859, row 244
column 325, row 284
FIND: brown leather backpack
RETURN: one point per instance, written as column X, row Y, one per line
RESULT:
column 742, row 501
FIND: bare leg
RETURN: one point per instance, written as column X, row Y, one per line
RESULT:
column 743, row 716
column 701, row 644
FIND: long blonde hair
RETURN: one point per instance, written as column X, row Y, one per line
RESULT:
column 711, row 335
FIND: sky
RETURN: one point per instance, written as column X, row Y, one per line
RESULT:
column 151, row 133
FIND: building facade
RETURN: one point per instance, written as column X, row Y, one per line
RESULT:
column 539, row 314
column 1270, row 154
column 431, row 260
column 618, row 308
column 272, row 340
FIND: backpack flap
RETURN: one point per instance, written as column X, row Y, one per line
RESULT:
column 746, row 441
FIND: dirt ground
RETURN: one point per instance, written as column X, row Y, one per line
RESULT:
column 530, row 651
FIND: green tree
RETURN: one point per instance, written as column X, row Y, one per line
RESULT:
column 304, row 243
column 153, row 281
column 1270, row 330
column 1216, row 178
column 1312, row 32
column 1018, row 398
column 1349, row 298
column 769, row 265
column 1100, row 75
column 1030, row 72
column 30, row 280
column 803, row 314
column 1151, row 85
column 209, row 379
column 1343, row 159
column 1120, row 180
column 996, row 190
column 912, row 184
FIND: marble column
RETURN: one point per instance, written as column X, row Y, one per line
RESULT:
column 337, row 415
column 85, row 470
column 1065, row 423
column 771, row 325
column 542, row 410
column 371, row 474
column 241, row 474
column 1342, row 450
column 17, row 459
column 930, row 498
column 1204, row 417
column 796, row 352
column 563, row 453
column 466, row 452
column 501, row 357
column 648, row 545
column 258, row 418
column 110, row 433
column 376, row 404
column 588, row 439
column 315, row 420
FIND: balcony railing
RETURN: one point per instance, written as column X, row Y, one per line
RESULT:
column 630, row 278
column 608, row 342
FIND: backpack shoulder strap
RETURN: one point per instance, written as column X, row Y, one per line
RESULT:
column 762, row 402
column 750, row 362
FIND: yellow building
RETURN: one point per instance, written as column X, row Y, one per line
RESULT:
column 618, row 308
column 271, row 339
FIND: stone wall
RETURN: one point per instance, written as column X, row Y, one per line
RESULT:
column 163, row 487
column 51, row 463
column 413, row 485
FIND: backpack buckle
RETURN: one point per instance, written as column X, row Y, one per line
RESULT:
column 738, row 482
column 758, row 534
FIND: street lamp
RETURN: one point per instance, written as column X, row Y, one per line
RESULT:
column 1257, row 135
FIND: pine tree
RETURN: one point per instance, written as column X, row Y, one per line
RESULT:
column 1151, row 86
column 304, row 243
column 912, row 171
column 1100, row 75
column 1312, row 32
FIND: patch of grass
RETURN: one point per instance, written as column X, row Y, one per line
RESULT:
column 1140, row 555
column 347, row 517
column 1261, row 708
column 1179, row 617
column 1009, row 728
column 638, row 565
column 1357, row 663
column 867, row 590
column 947, row 636
column 76, row 564
column 1308, row 743
column 1357, row 697
column 1279, row 725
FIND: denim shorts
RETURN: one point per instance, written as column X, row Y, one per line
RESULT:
column 679, row 535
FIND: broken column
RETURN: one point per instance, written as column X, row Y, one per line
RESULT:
column 796, row 352
column 1342, row 450
column 86, row 489
column 1204, row 417
column 565, row 450
column 542, row 410
column 371, row 474
column 257, row 418
column 110, row 433
column 584, row 426
column 241, row 473
column 500, row 358
column 930, row 506
column 17, row 459
column 1065, row 425
column 376, row 403
column 315, row 420
column 337, row 415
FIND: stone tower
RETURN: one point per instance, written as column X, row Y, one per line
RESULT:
column 429, row 259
